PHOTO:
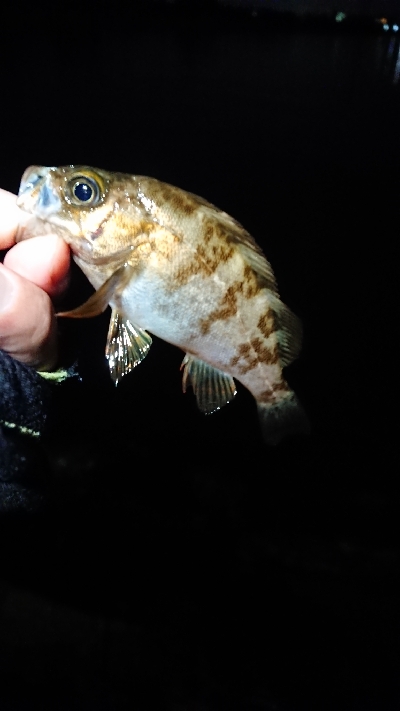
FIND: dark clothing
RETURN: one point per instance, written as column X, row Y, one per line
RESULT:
column 26, row 403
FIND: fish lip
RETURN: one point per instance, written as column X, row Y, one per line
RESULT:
column 31, row 177
column 35, row 194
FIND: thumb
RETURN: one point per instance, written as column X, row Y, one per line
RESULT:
column 27, row 321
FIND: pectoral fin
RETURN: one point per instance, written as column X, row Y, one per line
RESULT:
column 126, row 347
column 98, row 302
column 212, row 388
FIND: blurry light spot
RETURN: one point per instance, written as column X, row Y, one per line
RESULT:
column 386, row 27
column 340, row 16
column 395, row 28
column 382, row 20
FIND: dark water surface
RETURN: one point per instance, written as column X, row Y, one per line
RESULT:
column 183, row 564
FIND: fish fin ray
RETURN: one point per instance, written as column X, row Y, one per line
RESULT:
column 283, row 418
column 212, row 388
column 289, row 331
column 258, row 262
column 98, row 302
column 127, row 345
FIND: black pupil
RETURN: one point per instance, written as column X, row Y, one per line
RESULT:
column 83, row 192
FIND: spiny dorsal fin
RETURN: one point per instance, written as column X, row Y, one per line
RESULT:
column 126, row 347
column 212, row 388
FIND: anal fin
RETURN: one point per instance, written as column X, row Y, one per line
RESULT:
column 213, row 388
column 127, row 345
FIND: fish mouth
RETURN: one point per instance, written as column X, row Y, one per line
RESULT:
column 32, row 176
column 36, row 195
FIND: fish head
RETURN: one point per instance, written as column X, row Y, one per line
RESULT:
column 79, row 203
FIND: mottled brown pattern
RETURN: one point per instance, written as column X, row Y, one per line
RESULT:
column 142, row 227
column 267, row 355
column 205, row 261
column 275, row 392
column 183, row 272
column 248, row 287
column 208, row 232
column 244, row 350
column 266, row 324
column 213, row 229
column 258, row 346
column 127, row 230
column 243, row 353
column 163, row 244
column 217, row 315
column 253, row 283
column 220, row 232
column 214, row 256
column 253, row 353
column 236, row 288
column 227, row 309
column 181, row 201
column 251, row 363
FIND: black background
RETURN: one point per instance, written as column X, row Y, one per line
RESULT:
column 182, row 564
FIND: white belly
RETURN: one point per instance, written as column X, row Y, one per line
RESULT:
column 173, row 315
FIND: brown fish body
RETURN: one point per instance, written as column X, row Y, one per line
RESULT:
column 176, row 266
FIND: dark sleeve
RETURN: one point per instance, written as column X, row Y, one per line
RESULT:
column 25, row 406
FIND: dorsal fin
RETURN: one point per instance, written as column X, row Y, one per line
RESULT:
column 289, row 331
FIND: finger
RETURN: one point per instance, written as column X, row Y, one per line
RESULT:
column 27, row 321
column 45, row 261
column 10, row 217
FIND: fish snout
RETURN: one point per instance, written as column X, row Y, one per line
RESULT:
column 35, row 194
column 32, row 176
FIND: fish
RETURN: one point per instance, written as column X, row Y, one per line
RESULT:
column 172, row 265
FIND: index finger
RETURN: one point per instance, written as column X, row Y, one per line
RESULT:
column 10, row 217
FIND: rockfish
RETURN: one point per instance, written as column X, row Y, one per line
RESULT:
column 172, row 264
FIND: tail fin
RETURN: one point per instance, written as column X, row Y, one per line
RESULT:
column 282, row 419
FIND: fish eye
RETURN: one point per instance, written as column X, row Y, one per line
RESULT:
column 84, row 191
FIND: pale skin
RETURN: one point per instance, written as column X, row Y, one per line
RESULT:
column 33, row 274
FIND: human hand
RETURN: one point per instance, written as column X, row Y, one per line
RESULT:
column 34, row 272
